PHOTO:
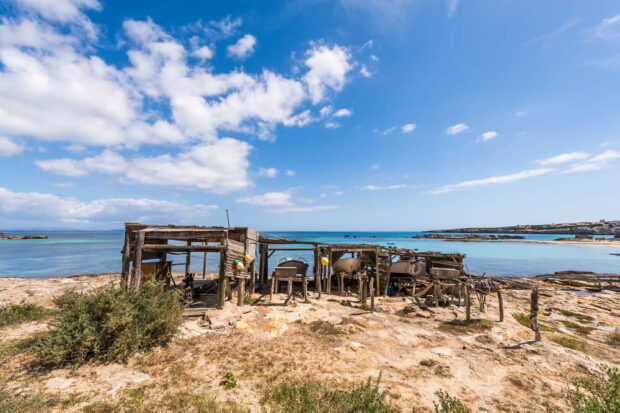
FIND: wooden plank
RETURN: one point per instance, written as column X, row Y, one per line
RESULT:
column 183, row 248
column 126, row 261
column 221, row 287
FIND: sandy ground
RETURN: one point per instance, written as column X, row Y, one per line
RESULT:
column 331, row 339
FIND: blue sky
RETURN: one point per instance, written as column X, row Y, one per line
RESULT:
column 309, row 115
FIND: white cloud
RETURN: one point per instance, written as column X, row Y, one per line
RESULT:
column 338, row 193
column 563, row 158
column 452, row 5
column 290, row 172
column 389, row 130
column 382, row 188
column 34, row 208
column 203, row 53
column 595, row 163
column 341, row 113
column 282, row 202
column 268, row 172
column 374, row 58
column 609, row 28
column 492, row 180
column 487, row 136
column 64, row 11
column 219, row 167
column 409, row 127
column 325, row 110
column 332, row 125
column 458, row 128
column 243, row 48
column 8, row 147
column 328, row 70
column 521, row 113
column 107, row 162
column 364, row 72
column 323, row 195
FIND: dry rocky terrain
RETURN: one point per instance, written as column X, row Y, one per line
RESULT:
column 490, row 366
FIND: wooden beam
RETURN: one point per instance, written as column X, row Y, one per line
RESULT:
column 137, row 261
column 188, row 258
column 183, row 248
column 126, row 261
column 221, row 284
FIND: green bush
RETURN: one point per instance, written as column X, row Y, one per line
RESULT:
column 108, row 324
column 449, row 404
column 599, row 393
column 229, row 381
column 20, row 313
column 315, row 397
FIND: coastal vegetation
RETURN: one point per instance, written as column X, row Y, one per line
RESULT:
column 21, row 313
column 524, row 320
column 107, row 324
column 597, row 393
column 464, row 327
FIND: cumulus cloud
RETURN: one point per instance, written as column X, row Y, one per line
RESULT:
column 328, row 70
column 8, row 147
column 220, row 167
column 341, row 113
column 268, row 172
column 282, row 202
column 243, row 48
column 595, row 163
column 409, row 127
column 50, row 210
column 54, row 87
column 487, row 136
column 365, row 72
column 492, row 180
column 563, row 158
column 382, row 188
column 456, row 129
column 332, row 125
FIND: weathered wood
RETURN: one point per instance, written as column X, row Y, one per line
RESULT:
column 204, row 264
column 183, row 248
column 126, row 261
column 328, row 287
column 188, row 259
column 221, row 287
column 372, row 294
column 305, row 288
column 228, row 289
column 467, row 304
column 137, row 261
column 501, row 304
column 253, row 277
column 240, row 291
column 534, row 314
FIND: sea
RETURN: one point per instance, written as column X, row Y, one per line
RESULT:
column 67, row 253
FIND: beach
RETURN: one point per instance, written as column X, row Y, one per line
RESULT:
column 415, row 350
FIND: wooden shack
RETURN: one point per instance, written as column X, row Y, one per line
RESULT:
column 147, row 247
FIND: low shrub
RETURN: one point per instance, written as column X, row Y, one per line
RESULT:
column 229, row 381
column 316, row 397
column 20, row 313
column 599, row 393
column 613, row 338
column 449, row 404
column 577, row 327
column 108, row 324
column 524, row 320
column 581, row 317
column 461, row 326
column 569, row 342
column 21, row 400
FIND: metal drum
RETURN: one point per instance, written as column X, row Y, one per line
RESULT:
column 407, row 267
column 347, row 265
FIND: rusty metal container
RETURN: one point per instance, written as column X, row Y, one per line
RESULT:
column 347, row 265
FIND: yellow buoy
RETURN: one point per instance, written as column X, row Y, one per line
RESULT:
column 247, row 257
column 324, row 260
column 239, row 265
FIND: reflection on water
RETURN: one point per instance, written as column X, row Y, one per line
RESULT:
column 81, row 252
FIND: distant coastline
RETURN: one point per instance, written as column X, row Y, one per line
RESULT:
column 8, row 236
column 601, row 227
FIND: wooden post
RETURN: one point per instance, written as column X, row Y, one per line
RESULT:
column 459, row 290
column 290, row 289
column 467, row 304
column 305, row 288
column 501, row 304
column 436, row 292
column 221, row 283
column 341, row 283
column 204, row 264
column 228, row 290
column 534, row 314
column 253, row 277
column 328, row 287
column 240, row 291
column 188, row 259
column 272, row 288
column 126, row 260
column 377, row 271
column 137, row 261
column 372, row 295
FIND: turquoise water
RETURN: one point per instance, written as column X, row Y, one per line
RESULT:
column 82, row 252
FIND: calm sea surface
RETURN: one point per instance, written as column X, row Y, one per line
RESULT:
column 81, row 252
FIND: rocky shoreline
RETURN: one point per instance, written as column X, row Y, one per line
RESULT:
column 6, row 236
column 467, row 237
column 601, row 227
